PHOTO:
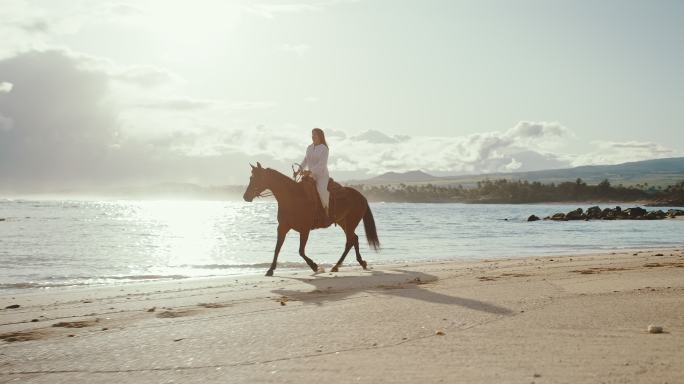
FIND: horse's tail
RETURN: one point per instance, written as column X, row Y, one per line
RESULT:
column 369, row 227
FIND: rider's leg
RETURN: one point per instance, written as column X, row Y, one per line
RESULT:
column 322, row 186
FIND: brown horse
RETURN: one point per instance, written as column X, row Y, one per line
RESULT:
column 296, row 212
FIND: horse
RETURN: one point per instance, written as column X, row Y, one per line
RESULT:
column 296, row 211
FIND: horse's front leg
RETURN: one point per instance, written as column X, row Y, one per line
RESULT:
column 303, row 238
column 282, row 231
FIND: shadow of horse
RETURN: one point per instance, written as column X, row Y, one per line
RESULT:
column 399, row 283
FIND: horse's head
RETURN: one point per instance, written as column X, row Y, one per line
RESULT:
column 257, row 183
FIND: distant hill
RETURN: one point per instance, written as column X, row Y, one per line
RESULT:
column 395, row 177
column 657, row 172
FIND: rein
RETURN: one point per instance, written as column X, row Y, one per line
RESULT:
column 264, row 194
column 296, row 175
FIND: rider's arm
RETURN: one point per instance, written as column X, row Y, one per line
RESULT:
column 305, row 162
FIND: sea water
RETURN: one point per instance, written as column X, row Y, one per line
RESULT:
column 74, row 243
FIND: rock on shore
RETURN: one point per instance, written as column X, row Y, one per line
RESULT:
column 617, row 213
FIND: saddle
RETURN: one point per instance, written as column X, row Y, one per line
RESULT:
column 321, row 219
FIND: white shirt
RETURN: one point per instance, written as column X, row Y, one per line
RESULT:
column 316, row 160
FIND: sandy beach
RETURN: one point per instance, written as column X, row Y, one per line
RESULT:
column 570, row 319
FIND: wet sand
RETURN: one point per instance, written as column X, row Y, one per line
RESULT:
column 569, row 319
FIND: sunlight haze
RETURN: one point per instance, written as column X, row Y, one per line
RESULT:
column 111, row 93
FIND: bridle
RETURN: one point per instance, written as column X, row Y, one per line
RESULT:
column 262, row 193
column 296, row 176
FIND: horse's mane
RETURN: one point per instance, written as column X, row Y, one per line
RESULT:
column 288, row 182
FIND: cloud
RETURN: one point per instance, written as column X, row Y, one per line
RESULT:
column 335, row 134
column 612, row 152
column 35, row 26
column 61, row 126
column 246, row 105
column 272, row 9
column 176, row 104
column 60, row 123
column 374, row 136
column 144, row 76
column 636, row 145
column 533, row 130
column 19, row 27
column 5, row 87
column 124, row 9
column 373, row 152
column 513, row 165
column 520, row 148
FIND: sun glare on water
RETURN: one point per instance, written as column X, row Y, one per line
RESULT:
column 186, row 232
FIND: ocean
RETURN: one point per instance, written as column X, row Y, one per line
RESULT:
column 55, row 243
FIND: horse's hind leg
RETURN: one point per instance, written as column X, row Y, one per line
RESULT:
column 303, row 238
column 361, row 261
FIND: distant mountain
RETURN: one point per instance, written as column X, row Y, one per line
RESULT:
column 404, row 177
column 657, row 172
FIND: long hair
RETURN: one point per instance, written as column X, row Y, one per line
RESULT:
column 320, row 134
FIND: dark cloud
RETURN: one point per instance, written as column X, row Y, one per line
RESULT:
column 59, row 129
column 61, row 125
column 530, row 129
column 36, row 26
column 637, row 145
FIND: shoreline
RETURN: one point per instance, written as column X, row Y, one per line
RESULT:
column 304, row 270
column 579, row 318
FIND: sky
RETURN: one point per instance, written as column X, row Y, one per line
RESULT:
column 114, row 93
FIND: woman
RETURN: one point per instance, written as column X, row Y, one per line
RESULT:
column 316, row 160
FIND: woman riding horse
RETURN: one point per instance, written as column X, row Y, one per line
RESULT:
column 296, row 212
column 315, row 164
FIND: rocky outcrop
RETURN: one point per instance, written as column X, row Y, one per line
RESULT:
column 594, row 212
column 672, row 213
column 533, row 218
column 617, row 213
column 636, row 212
column 577, row 214
column 557, row 217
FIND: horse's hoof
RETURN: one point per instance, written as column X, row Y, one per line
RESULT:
column 363, row 264
column 320, row 269
column 269, row 272
column 334, row 269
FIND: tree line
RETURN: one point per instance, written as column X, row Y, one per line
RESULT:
column 523, row 191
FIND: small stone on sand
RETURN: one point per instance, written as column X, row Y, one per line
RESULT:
column 13, row 306
column 655, row 329
column 440, row 333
